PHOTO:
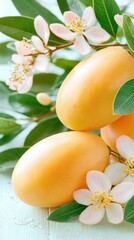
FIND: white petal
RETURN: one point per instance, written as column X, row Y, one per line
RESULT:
column 26, row 85
column 90, row 216
column 129, row 178
column 18, row 59
column 38, row 44
column 115, row 214
column 23, row 48
column 119, row 20
column 42, row 63
column 81, row 45
column 82, row 196
column 122, row 192
column 70, row 16
column 97, row 180
column 97, row 34
column 125, row 146
column 115, row 172
column 42, row 29
column 89, row 16
column 62, row 32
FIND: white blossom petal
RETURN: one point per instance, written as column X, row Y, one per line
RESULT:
column 115, row 214
column 26, row 84
column 122, row 192
column 42, row 29
column 89, row 16
column 42, row 63
column 115, row 172
column 90, row 216
column 70, row 16
column 125, row 146
column 119, row 20
column 81, row 45
column 82, row 196
column 62, row 32
column 38, row 44
column 23, row 48
column 99, row 181
column 96, row 34
column 129, row 178
column 18, row 59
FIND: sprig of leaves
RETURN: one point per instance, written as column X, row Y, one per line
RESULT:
column 129, row 211
column 124, row 99
column 67, row 212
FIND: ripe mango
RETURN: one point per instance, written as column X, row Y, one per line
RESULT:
column 123, row 126
column 85, row 98
column 51, row 170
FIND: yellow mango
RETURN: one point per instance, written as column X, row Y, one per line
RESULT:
column 51, row 170
column 85, row 98
column 123, row 126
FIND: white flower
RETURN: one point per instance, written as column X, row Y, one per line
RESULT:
column 36, row 46
column 118, row 172
column 100, row 199
column 119, row 20
column 21, row 78
column 43, row 98
column 77, row 28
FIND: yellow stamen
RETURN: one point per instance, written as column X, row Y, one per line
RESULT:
column 130, row 166
column 78, row 25
column 18, row 75
column 99, row 200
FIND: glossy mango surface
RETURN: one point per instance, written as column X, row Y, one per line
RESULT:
column 85, row 98
column 123, row 126
column 51, row 170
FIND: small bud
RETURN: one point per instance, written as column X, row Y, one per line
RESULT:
column 44, row 99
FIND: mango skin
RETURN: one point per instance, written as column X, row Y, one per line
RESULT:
column 123, row 126
column 51, row 170
column 85, row 98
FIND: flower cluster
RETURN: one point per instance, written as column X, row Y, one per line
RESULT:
column 101, row 197
column 34, row 54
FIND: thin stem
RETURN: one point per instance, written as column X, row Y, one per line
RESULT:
column 43, row 116
column 107, row 45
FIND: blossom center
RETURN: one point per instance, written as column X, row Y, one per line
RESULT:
column 99, row 200
column 130, row 166
column 18, row 75
column 78, row 25
column 27, row 44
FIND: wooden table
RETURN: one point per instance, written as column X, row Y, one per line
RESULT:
column 19, row 221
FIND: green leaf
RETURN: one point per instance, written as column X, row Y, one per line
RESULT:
column 32, row 9
column 4, row 91
column 44, row 129
column 128, row 28
column 124, row 99
column 7, row 138
column 68, row 5
column 129, row 211
column 105, row 11
column 17, row 27
column 5, row 53
column 87, row 2
column 43, row 82
column 5, row 115
column 8, row 158
column 63, row 5
column 61, row 78
column 67, row 212
column 65, row 63
column 8, row 126
column 27, row 104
